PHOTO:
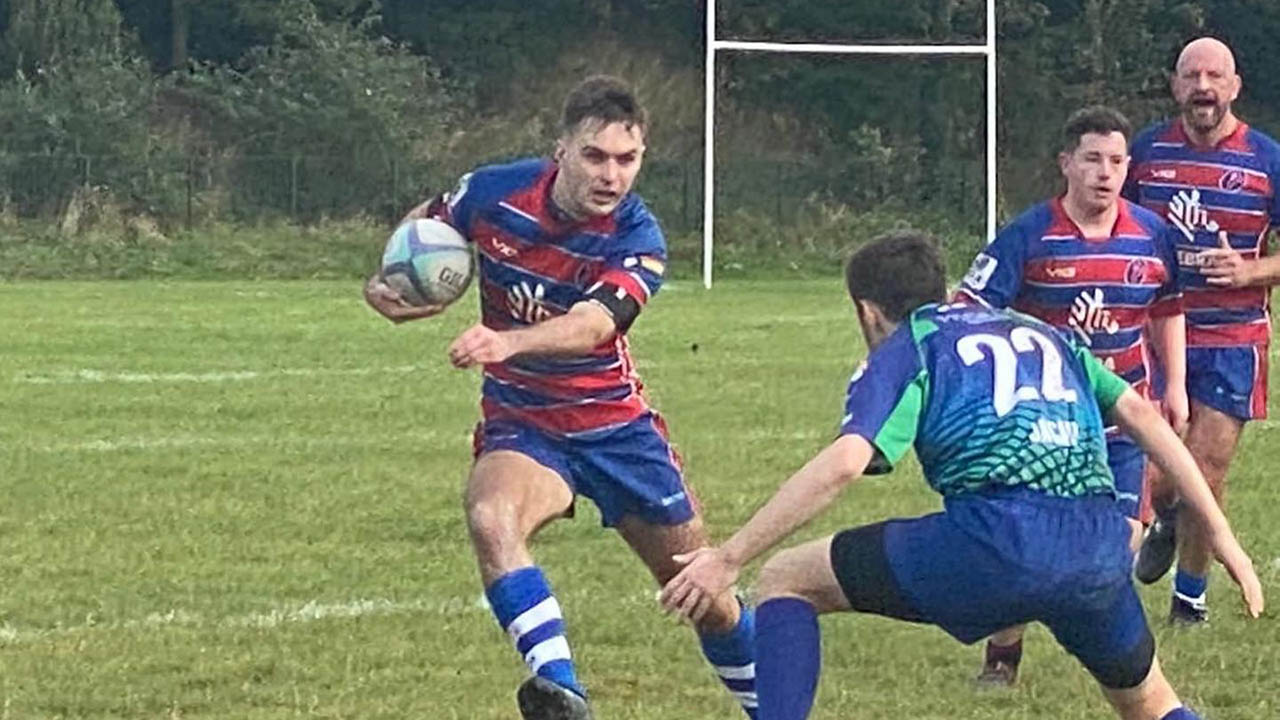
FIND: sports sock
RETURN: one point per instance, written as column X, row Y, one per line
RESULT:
column 1190, row 588
column 788, row 658
column 1007, row 654
column 1181, row 713
column 733, row 656
column 529, row 613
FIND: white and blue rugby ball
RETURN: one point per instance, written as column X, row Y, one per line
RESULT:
column 427, row 262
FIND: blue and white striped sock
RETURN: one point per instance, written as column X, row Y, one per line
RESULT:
column 1191, row 588
column 527, row 610
column 733, row 656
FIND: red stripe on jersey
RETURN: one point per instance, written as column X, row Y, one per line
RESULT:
column 1236, row 141
column 1206, row 175
column 1166, row 307
column 563, row 387
column 1125, row 317
column 1122, row 361
column 627, row 281
column 568, row 419
column 1235, row 334
column 1077, row 269
column 1233, row 299
column 1239, row 222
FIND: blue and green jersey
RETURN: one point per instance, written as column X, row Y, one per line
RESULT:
column 989, row 399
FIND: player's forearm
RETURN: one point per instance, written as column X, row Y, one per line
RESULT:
column 1170, row 336
column 801, row 498
column 578, row 331
column 1140, row 421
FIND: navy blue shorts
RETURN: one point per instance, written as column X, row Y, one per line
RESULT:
column 1129, row 468
column 628, row 470
column 990, row 562
column 1230, row 379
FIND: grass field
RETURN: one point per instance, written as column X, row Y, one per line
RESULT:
column 241, row 500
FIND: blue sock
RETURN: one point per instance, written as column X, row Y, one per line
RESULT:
column 788, row 658
column 1190, row 587
column 1181, row 713
column 527, row 610
column 734, row 658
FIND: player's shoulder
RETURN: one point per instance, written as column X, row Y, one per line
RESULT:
column 1149, row 135
column 637, row 226
column 1262, row 143
column 491, row 183
column 1147, row 218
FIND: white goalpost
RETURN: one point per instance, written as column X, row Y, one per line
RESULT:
column 714, row 45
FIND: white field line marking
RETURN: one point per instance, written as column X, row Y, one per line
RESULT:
column 182, row 441
column 312, row 611
column 87, row 375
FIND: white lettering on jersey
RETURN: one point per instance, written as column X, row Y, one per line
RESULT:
column 525, row 303
column 980, row 271
column 1062, row 433
column 1188, row 215
column 1089, row 315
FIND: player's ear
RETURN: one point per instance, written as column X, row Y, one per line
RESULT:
column 1064, row 158
column 560, row 152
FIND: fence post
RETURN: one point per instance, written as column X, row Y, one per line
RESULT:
column 88, row 169
column 293, row 187
column 777, row 185
column 684, row 194
column 190, row 171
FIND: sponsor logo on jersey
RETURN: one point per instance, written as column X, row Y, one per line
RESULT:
column 1089, row 316
column 980, row 271
column 1188, row 215
column 525, row 302
column 499, row 247
column 1062, row 272
column 1232, row 180
column 1164, row 174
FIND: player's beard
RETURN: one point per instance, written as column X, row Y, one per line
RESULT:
column 1204, row 118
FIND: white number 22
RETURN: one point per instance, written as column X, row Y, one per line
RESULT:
column 1004, row 356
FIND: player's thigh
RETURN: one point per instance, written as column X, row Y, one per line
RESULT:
column 1212, row 437
column 656, row 544
column 803, row 571
column 510, row 492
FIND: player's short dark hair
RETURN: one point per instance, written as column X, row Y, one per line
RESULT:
column 1098, row 119
column 899, row 272
column 603, row 97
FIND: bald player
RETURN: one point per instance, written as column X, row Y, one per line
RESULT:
column 1213, row 178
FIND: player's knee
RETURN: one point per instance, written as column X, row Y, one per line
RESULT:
column 781, row 576
column 490, row 518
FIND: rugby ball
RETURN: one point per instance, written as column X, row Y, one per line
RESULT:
column 427, row 262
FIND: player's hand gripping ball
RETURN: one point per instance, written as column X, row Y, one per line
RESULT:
column 427, row 262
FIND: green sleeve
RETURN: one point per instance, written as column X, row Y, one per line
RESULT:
column 898, row 432
column 1107, row 386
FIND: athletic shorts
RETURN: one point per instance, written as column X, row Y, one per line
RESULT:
column 1230, row 379
column 992, row 561
column 628, row 470
column 1129, row 468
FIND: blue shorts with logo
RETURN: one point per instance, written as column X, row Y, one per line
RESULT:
column 995, row 560
column 631, row 469
column 1230, row 379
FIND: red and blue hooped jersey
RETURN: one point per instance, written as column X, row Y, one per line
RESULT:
column 1201, row 191
column 1100, row 291
column 535, row 264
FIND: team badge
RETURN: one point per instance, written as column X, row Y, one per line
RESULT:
column 1232, row 180
column 1135, row 273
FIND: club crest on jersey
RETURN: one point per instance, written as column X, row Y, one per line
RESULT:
column 1232, row 180
column 1136, row 272
column 1188, row 215
column 525, row 302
